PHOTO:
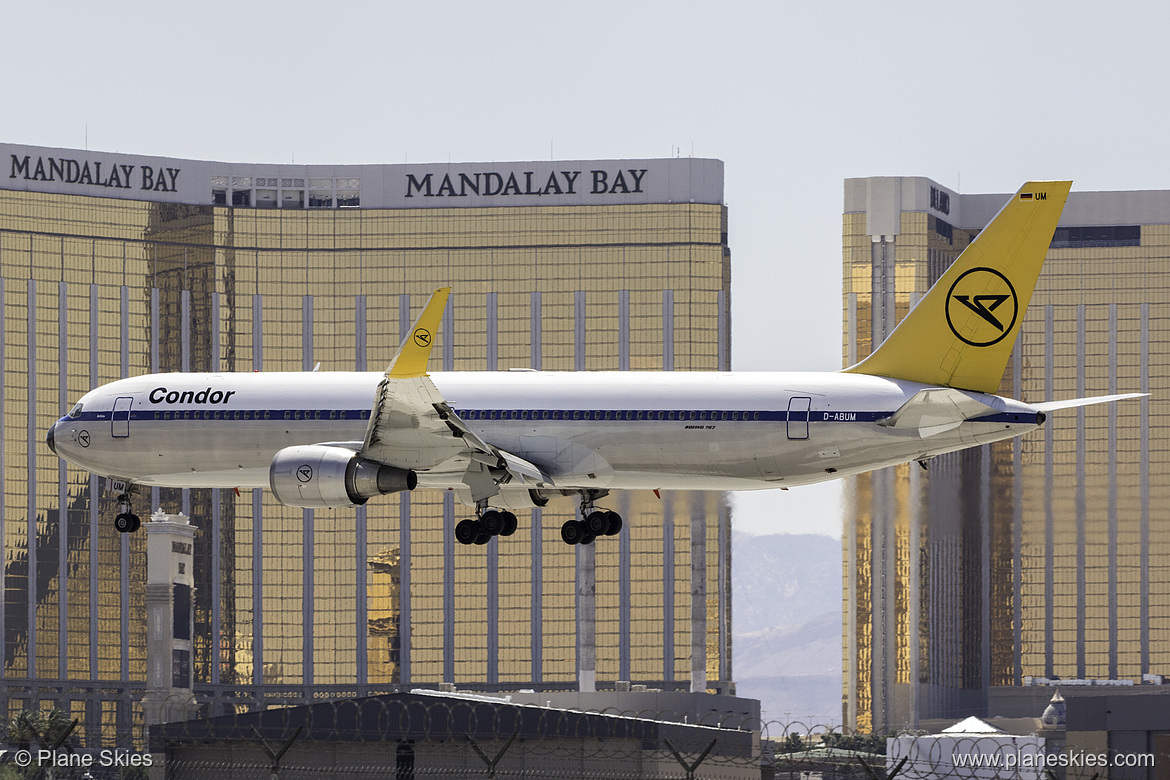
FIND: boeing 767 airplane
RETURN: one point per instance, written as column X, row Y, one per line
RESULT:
column 509, row 439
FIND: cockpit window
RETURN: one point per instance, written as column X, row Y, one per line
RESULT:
column 75, row 412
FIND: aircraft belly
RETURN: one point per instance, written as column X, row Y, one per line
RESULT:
column 644, row 456
column 760, row 459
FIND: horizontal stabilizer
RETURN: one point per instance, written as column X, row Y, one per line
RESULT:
column 936, row 410
column 1072, row 403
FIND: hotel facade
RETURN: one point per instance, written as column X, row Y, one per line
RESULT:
column 1023, row 562
column 114, row 265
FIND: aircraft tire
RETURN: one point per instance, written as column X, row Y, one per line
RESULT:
column 483, row 538
column 510, row 523
column 136, row 521
column 492, row 522
column 597, row 522
column 588, row 538
column 124, row 523
column 467, row 531
column 572, row 532
column 615, row 524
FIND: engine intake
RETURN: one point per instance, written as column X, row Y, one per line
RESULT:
column 322, row 477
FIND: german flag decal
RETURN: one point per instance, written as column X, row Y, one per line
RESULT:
column 1025, row 196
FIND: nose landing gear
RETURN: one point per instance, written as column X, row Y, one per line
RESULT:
column 126, row 522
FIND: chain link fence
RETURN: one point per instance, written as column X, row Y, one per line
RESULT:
column 418, row 735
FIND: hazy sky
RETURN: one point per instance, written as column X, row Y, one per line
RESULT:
column 793, row 97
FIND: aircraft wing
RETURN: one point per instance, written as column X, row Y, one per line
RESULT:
column 412, row 426
column 936, row 410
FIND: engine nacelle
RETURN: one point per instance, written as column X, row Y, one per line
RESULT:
column 322, row 477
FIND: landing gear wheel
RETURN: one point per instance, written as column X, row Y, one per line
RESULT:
column 615, row 523
column 588, row 538
column 510, row 523
column 597, row 523
column 492, row 522
column 484, row 537
column 572, row 532
column 467, row 531
column 127, row 523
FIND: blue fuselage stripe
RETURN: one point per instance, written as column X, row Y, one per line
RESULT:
column 536, row 415
column 505, row 415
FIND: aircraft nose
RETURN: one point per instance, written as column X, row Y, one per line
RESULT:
column 50, row 438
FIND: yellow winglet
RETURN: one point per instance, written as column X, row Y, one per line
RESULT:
column 962, row 331
column 411, row 358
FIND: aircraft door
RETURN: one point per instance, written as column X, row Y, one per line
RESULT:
column 121, row 418
column 798, row 417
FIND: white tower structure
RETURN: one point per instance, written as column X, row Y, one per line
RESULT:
column 170, row 619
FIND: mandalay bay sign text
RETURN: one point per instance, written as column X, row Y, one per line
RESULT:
column 72, row 171
column 616, row 182
column 563, row 183
column 491, row 183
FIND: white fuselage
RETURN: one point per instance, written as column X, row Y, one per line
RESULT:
column 603, row 430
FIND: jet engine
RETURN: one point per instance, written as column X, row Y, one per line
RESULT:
column 323, row 477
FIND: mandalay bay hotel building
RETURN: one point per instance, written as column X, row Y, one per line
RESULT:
column 1003, row 569
column 114, row 265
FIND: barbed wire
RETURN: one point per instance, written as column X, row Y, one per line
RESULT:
column 427, row 734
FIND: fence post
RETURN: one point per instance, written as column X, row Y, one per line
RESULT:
column 278, row 754
column 491, row 762
column 689, row 768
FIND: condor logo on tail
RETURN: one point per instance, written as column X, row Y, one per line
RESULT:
column 981, row 307
column 984, row 305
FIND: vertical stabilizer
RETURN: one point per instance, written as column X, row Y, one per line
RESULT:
column 962, row 332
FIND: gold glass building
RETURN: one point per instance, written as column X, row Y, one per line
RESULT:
column 1021, row 562
column 114, row 265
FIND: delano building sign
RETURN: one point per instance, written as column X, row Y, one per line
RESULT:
column 403, row 186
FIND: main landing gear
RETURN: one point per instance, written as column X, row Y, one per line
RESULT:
column 488, row 523
column 126, row 521
column 595, row 522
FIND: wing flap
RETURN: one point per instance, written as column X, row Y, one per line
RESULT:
column 523, row 471
column 406, row 429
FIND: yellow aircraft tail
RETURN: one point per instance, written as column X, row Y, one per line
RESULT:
column 962, row 331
